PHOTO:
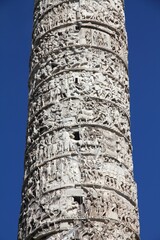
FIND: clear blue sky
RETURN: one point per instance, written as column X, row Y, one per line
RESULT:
column 143, row 26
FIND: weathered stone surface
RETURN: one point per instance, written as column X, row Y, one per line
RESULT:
column 78, row 180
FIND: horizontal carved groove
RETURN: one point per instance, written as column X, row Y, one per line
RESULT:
column 95, row 125
column 79, row 20
column 107, row 188
column 38, row 66
column 95, row 186
column 73, row 70
column 90, row 26
column 102, row 99
column 83, row 219
column 36, row 40
column 78, row 46
column 71, row 154
column 81, row 99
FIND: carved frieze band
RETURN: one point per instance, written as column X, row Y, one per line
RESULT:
column 88, row 34
column 72, row 11
column 76, row 58
column 81, row 206
column 70, row 76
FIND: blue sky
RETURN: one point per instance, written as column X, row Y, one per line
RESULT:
column 143, row 21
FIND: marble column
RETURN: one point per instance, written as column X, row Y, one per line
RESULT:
column 78, row 179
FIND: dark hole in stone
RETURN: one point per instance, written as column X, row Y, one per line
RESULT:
column 41, row 130
column 79, row 200
column 40, row 121
column 76, row 136
column 77, row 27
column 76, row 80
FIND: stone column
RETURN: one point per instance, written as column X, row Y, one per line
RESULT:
column 78, row 180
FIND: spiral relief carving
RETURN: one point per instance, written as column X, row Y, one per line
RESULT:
column 78, row 179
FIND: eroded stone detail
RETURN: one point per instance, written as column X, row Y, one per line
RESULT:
column 78, row 179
